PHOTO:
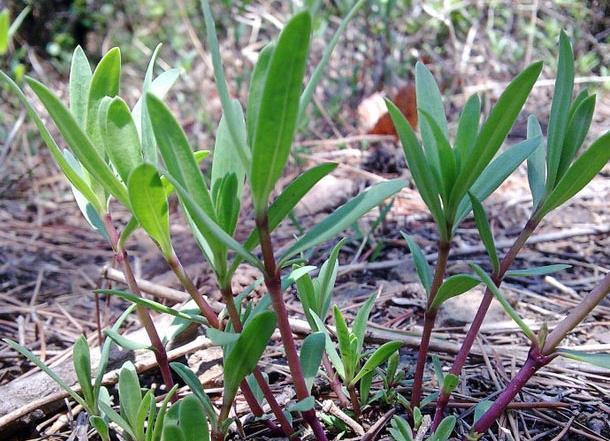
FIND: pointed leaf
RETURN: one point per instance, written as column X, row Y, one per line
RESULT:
column 311, row 356
column 452, row 287
column 278, row 109
column 575, row 135
column 193, row 423
column 130, row 395
column 599, row 360
column 382, row 353
column 537, row 271
column 121, row 139
column 444, row 430
column 257, row 85
column 580, row 173
column 468, row 128
column 149, row 205
column 558, row 119
column 448, row 166
column 424, row 272
column 360, row 323
column 80, row 81
column 333, row 356
column 82, row 367
column 193, row 382
column 484, row 228
column 124, row 342
column 536, row 162
column 326, row 280
column 494, row 130
column 344, row 216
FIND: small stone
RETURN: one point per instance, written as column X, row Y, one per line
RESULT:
column 460, row 310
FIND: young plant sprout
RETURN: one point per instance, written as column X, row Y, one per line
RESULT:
column 555, row 175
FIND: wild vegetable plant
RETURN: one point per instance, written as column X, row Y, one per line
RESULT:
column 556, row 174
column 446, row 175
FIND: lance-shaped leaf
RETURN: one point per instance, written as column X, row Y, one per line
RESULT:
column 221, row 84
column 468, row 128
column 496, row 173
column 73, row 176
column 444, row 430
column 600, row 360
column 494, row 130
column 344, row 216
column 279, row 108
column 558, row 119
column 360, row 323
column 47, row 370
column 79, row 142
column 121, row 138
column 334, row 357
column 117, row 419
column 482, row 223
column 325, row 281
column 382, row 353
column 537, row 271
column 447, row 167
column 419, row 167
column 452, row 287
column 318, row 72
column 193, row 382
column 4, row 26
column 130, row 394
column 429, row 102
column 246, row 352
column 424, row 272
column 580, row 173
column 400, row 430
column 507, row 306
column 82, row 366
column 126, row 343
column 205, row 223
column 257, row 85
column 104, row 83
column 536, row 162
column 576, row 133
column 80, row 81
column 311, row 356
column 149, row 205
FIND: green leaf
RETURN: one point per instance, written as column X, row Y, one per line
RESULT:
column 130, row 394
column 343, row 337
column 302, row 405
column 221, row 84
column 121, row 139
column 424, row 272
column 286, row 201
column 278, row 109
column 576, row 133
column 318, row 72
column 430, row 102
column 82, row 366
column 104, row 83
column 192, row 381
column 444, row 430
column 480, row 409
column 221, row 338
column 4, row 26
column 448, row 167
column 47, row 370
column 80, row 144
column 193, row 424
column 494, row 130
column 257, row 85
column 507, row 306
column 80, row 82
column 149, row 205
column 580, row 173
column 495, row 174
column 343, row 217
column 160, row 419
column 402, row 430
column 536, row 163
column 360, row 323
column 143, row 410
column 151, row 304
column 326, row 280
column 330, row 347
column 382, row 353
column 124, row 342
column 205, row 223
column 225, row 152
column 599, row 360
column 419, row 167
column 482, row 223
column 311, row 356
column 117, row 419
column 537, row 271
column 100, row 426
column 558, row 119
column 468, row 128
column 18, row 21
column 246, row 352
column 453, row 286
column 450, row 382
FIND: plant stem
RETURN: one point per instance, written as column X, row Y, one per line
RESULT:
column 535, row 360
column 334, row 382
column 471, row 335
column 429, row 321
column 213, row 320
column 355, row 402
column 274, row 286
column 143, row 315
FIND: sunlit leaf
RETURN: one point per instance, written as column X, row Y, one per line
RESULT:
column 80, row 81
